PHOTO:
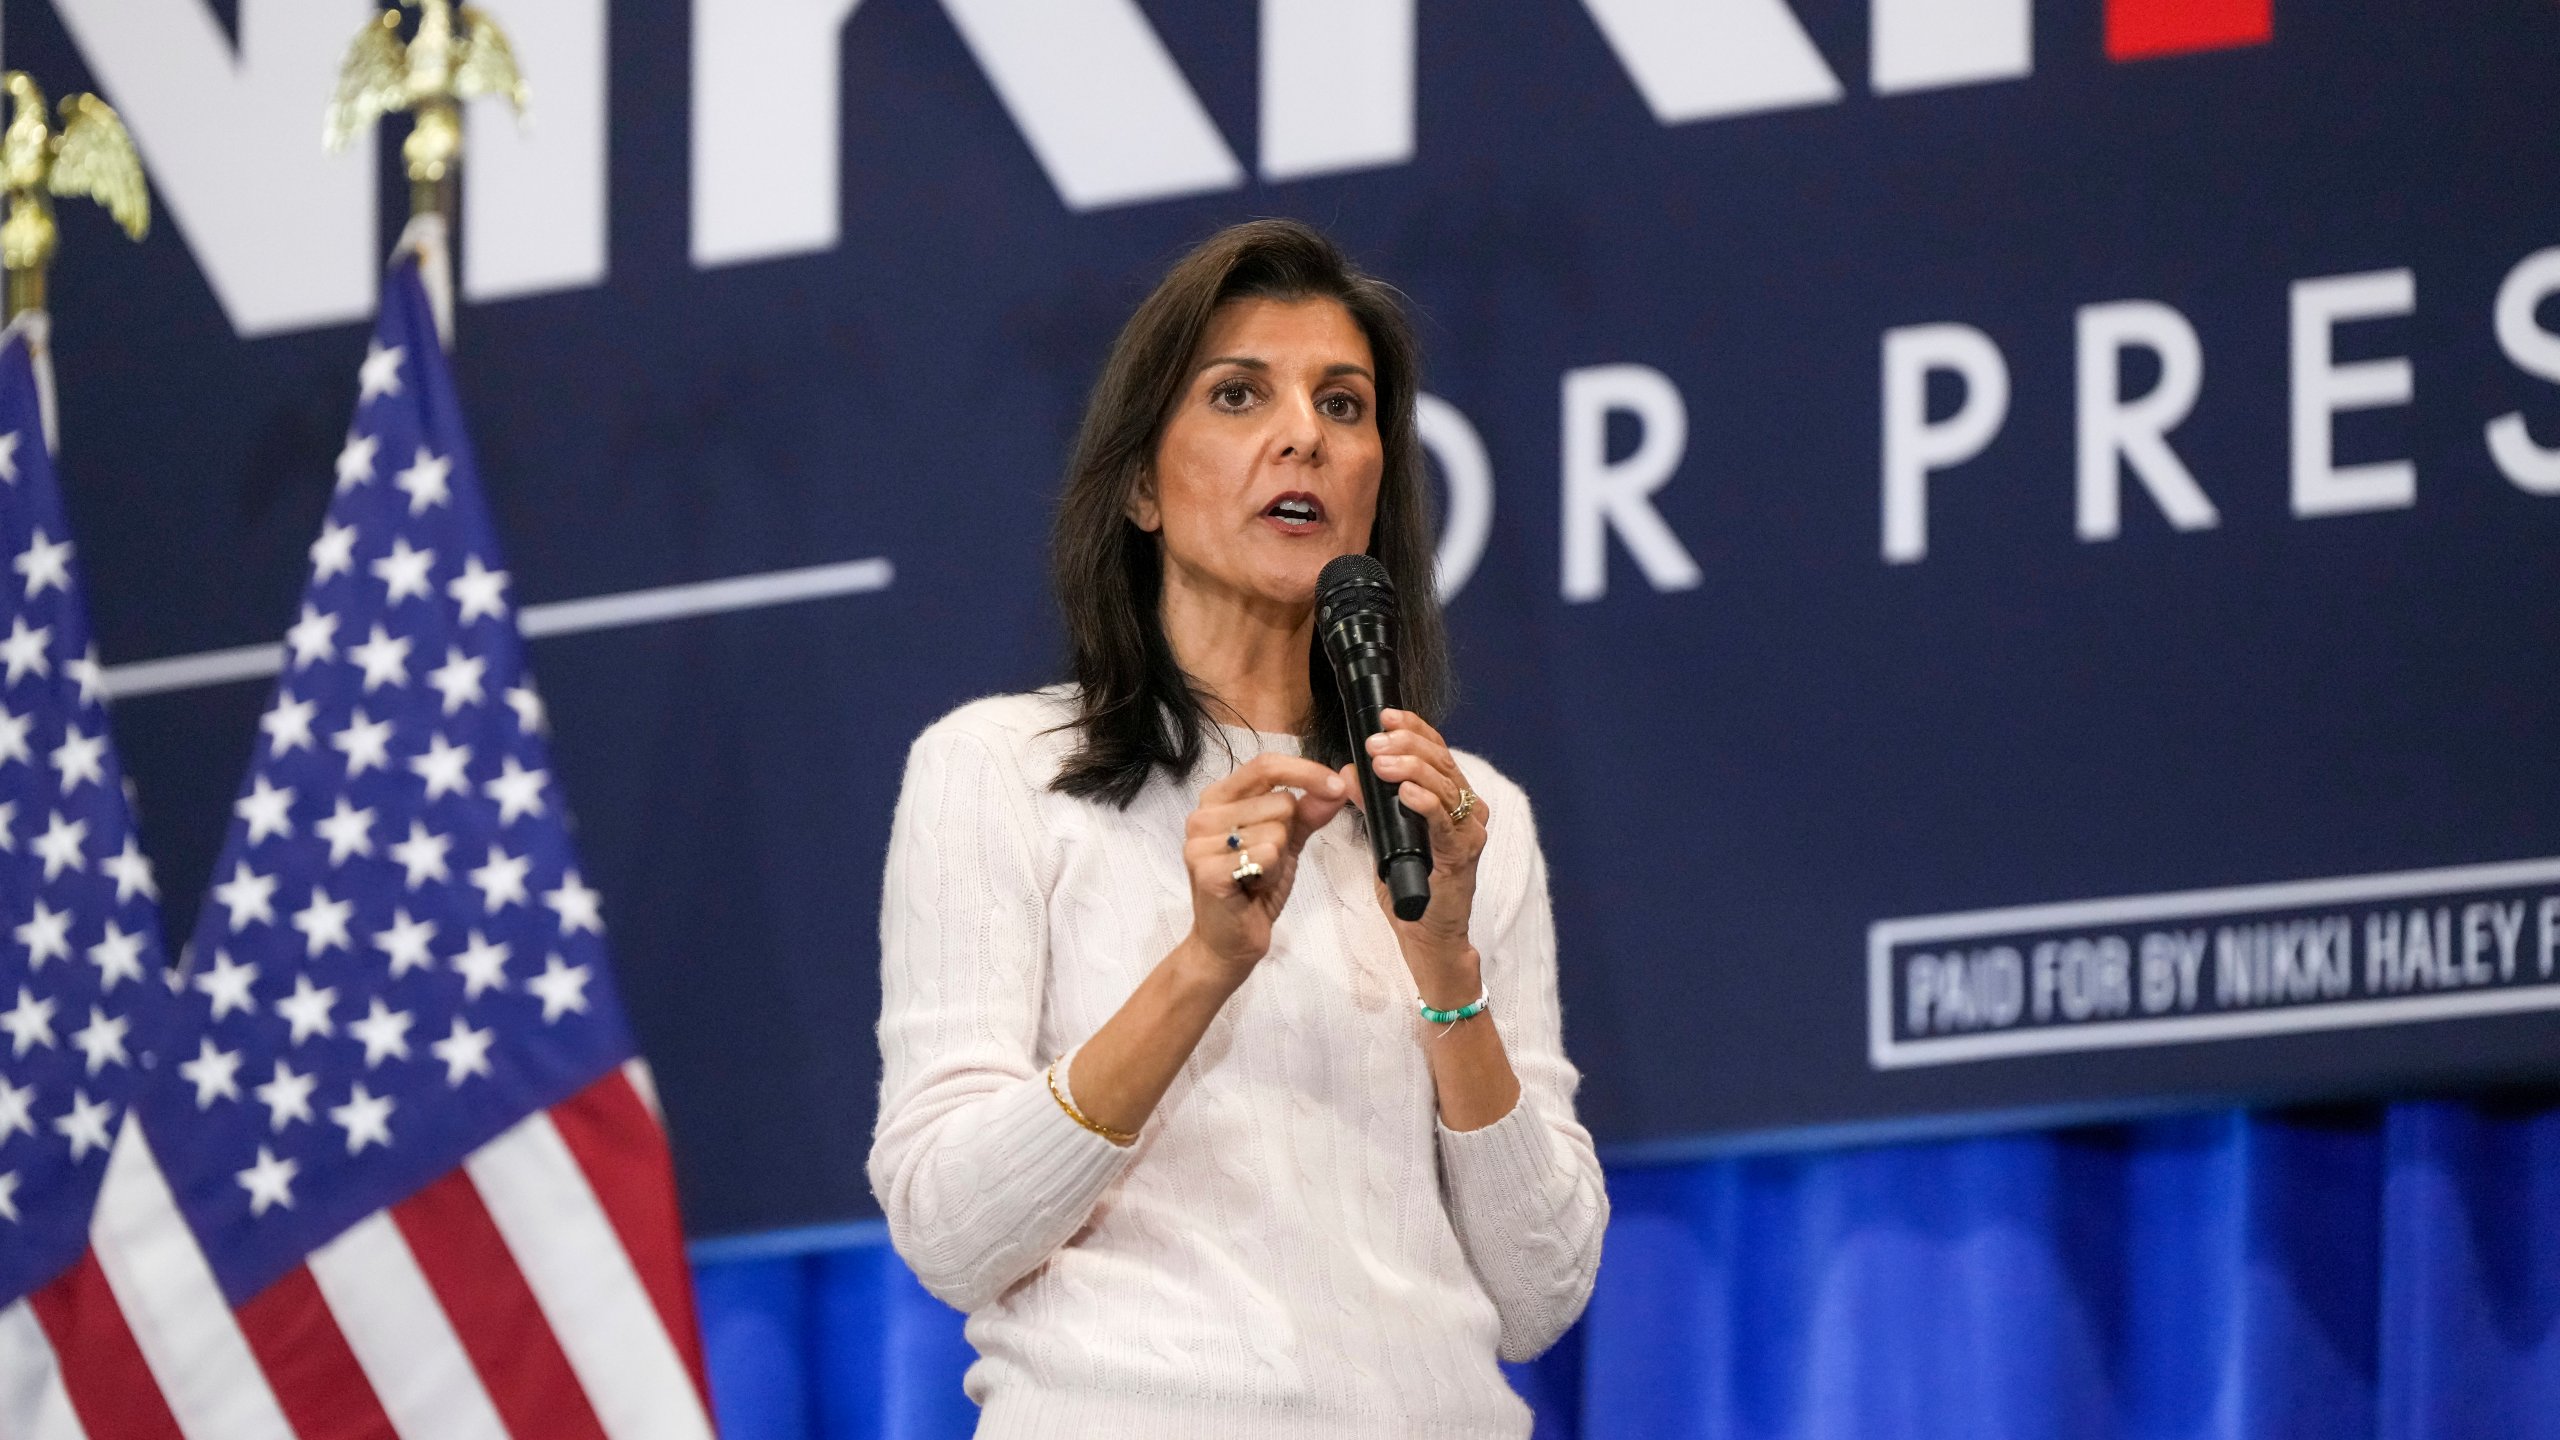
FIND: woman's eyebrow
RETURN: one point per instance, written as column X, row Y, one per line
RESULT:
column 1249, row 362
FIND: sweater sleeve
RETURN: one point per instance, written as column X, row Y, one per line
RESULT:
column 980, row 1173
column 1525, row 1192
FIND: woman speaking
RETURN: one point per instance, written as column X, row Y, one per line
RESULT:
column 1203, row 1139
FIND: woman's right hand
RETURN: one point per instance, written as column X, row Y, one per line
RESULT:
column 1231, row 920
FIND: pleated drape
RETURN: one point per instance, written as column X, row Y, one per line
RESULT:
column 2388, row 1272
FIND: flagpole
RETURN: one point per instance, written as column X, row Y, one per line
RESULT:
column 89, row 157
column 450, row 58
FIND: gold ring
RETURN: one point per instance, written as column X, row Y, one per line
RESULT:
column 1466, row 806
column 1247, row 868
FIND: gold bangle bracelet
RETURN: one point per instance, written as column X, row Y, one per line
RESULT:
column 1116, row 1137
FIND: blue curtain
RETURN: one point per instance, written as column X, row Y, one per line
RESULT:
column 2385, row 1272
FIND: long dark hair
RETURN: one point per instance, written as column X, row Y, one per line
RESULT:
column 1136, row 709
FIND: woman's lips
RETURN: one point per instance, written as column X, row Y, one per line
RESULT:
column 1295, row 513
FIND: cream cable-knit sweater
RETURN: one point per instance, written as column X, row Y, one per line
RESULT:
column 1294, row 1246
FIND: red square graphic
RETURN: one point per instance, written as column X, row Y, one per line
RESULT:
column 2142, row 29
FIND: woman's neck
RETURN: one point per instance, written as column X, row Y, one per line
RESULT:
column 1248, row 655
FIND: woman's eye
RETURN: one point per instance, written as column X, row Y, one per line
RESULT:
column 1342, row 407
column 1231, row 395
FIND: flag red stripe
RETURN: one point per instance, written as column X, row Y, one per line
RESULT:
column 317, row 1381
column 102, row 1368
column 494, row 1312
column 618, row 1143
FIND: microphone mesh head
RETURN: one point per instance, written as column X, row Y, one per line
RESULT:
column 1346, row 577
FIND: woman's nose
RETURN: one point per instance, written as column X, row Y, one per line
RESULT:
column 1301, row 434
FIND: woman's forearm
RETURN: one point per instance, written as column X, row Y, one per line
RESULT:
column 1470, row 1071
column 1121, row 1073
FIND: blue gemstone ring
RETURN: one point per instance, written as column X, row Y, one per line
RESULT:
column 1235, row 840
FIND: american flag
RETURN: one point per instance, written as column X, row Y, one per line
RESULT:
column 397, row 1171
column 81, row 966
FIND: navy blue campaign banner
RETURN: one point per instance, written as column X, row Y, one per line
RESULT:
column 2010, row 543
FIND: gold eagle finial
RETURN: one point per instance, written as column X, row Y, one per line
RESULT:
column 91, row 157
column 457, row 53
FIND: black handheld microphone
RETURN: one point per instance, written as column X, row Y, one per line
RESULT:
column 1356, row 625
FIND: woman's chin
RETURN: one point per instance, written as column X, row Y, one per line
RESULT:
column 1293, row 586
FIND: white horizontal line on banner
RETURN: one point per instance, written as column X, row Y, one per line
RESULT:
column 560, row 617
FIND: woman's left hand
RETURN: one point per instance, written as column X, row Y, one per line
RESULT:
column 1411, row 755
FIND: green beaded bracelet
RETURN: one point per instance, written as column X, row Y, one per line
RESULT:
column 1452, row 1017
